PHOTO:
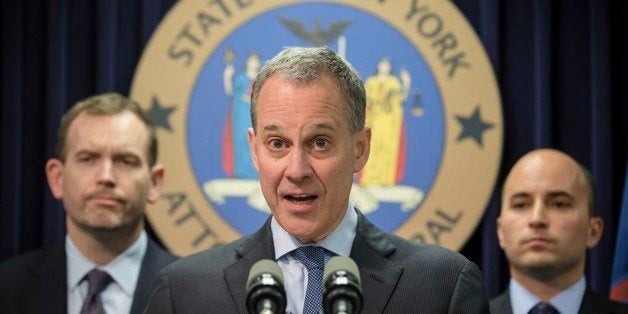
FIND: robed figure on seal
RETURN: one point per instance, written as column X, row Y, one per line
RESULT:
column 385, row 98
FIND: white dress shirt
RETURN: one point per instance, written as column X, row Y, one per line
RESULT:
column 566, row 302
column 124, row 269
column 337, row 243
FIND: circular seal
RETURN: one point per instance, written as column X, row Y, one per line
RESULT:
column 432, row 103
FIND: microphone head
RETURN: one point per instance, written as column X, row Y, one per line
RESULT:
column 262, row 267
column 264, row 288
column 341, row 263
column 342, row 286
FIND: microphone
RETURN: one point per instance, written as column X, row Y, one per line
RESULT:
column 264, row 288
column 341, row 279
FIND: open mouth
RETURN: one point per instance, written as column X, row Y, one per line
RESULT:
column 300, row 199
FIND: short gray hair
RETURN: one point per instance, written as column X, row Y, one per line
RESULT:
column 303, row 65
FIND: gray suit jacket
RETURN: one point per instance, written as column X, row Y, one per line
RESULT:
column 37, row 281
column 592, row 303
column 397, row 276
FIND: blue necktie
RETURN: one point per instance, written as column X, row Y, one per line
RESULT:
column 543, row 308
column 313, row 258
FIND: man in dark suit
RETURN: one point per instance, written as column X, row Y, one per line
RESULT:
column 307, row 141
column 546, row 225
column 105, row 174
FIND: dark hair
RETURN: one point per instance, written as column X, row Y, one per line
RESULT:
column 105, row 104
column 588, row 181
column 299, row 64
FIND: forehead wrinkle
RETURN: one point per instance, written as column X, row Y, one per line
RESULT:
column 320, row 125
column 270, row 128
column 113, row 143
column 324, row 125
column 551, row 163
column 80, row 140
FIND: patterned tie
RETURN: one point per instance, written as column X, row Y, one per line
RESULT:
column 313, row 257
column 97, row 280
column 543, row 308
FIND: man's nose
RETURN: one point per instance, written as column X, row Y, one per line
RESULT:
column 538, row 215
column 299, row 167
column 106, row 174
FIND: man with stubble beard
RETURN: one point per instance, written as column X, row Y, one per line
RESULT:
column 105, row 173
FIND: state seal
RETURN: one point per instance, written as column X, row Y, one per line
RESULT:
column 432, row 103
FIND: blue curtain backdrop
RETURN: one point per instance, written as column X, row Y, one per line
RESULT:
column 561, row 67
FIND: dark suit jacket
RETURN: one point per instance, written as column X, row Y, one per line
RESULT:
column 397, row 276
column 592, row 303
column 37, row 281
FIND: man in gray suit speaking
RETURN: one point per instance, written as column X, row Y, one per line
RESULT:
column 307, row 141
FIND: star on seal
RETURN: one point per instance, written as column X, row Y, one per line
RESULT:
column 159, row 114
column 473, row 126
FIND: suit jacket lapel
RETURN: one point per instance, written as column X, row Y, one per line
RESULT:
column 501, row 304
column 594, row 303
column 49, row 283
column 586, row 306
column 252, row 249
column 590, row 303
column 154, row 260
column 370, row 251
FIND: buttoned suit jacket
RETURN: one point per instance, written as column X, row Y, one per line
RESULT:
column 397, row 276
column 592, row 303
column 36, row 282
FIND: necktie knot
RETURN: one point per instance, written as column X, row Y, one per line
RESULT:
column 97, row 281
column 543, row 308
column 312, row 257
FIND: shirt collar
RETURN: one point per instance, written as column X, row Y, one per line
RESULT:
column 339, row 241
column 78, row 265
column 567, row 301
column 124, row 269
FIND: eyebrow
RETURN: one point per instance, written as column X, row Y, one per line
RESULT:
column 322, row 125
column 560, row 193
column 125, row 153
column 86, row 151
column 271, row 127
column 519, row 194
column 551, row 194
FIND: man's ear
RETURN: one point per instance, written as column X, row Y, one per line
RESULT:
column 362, row 148
column 253, row 148
column 596, row 227
column 157, row 173
column 54, row 175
